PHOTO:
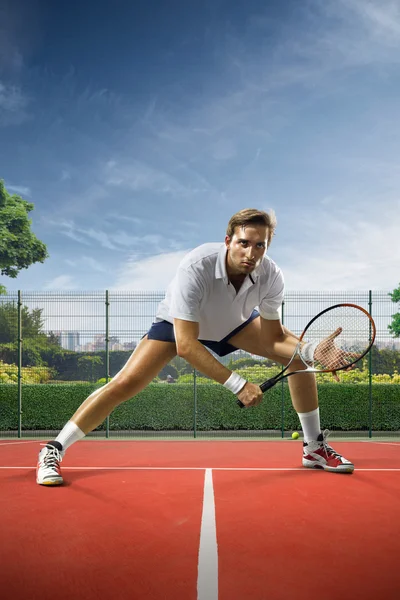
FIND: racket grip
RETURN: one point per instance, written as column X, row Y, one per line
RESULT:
column 267, row 385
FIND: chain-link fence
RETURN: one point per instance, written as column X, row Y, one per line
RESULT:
column 56, row 348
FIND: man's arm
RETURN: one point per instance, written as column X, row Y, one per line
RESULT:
column 189, row 348
column 277, row 338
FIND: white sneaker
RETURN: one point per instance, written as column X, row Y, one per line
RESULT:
column 318, row 454
column 48, row 470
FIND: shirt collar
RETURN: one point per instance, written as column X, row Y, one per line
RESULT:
column 220, row 267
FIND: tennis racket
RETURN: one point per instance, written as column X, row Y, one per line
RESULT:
column 333, row 340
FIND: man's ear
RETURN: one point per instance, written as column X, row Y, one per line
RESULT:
column 227, row 241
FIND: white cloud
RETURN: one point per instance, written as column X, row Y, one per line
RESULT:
column 259, row 118
column 115, row 239
column 81, row 235
column 100, row 236
column 154, row 273
column 62, row 282
column 134, row 220
column 20, row 34
column 334, row 250
column 86, row 262
column 327, row 200
column 341, row 36
column 69, row 229
column 20, row 189
column 139, row 176
column 71, row 234
column 12, row 105
column 94, row 264
column 345, row 250
column 356, row 33
column 122, row 238
column 86, row 197
column 224, row 149
column 380, row 17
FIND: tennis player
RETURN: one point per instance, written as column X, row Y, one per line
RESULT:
column 224, row 296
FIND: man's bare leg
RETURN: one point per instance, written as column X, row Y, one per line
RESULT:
column 317, row 454
column 303, row 387
column 149, row 357
column 145, row 363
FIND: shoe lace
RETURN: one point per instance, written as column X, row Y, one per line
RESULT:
column 52, row 457
column 327, row 448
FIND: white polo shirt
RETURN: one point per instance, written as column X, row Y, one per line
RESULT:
column 201, row 292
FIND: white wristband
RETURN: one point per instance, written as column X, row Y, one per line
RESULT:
column 307, row 351
column 235, row 383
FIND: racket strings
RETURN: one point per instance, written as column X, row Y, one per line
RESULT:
column 329, row 356
column 341, row 336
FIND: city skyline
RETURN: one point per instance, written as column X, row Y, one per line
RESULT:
column 70, row 340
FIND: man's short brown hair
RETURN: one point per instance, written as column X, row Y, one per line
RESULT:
column 252, row 216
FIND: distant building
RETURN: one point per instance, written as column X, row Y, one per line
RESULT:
column 116, row 346
column 99, row 342
column 73, row 340
column 129, row 345
column 89, row 347
column 68, row 339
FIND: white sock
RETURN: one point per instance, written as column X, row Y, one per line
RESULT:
column 69, row 434
column 310, row 424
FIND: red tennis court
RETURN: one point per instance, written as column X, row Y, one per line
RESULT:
column 184, row 520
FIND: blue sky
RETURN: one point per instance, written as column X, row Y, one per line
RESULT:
column 138, row 128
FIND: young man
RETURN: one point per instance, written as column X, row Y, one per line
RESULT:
column 211, row 302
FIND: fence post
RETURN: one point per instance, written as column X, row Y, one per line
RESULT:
column 19, row 313
column 370, row 366
column 107, row 339
column 195, row 403
column 282, row 391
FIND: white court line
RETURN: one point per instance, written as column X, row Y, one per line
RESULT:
column 24, row 442
column 383, row 443
column 261, row 469
column 207, row 574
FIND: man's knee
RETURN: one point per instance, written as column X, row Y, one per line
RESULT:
column 122, row 385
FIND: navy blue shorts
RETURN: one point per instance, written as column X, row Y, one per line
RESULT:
column 164, row 332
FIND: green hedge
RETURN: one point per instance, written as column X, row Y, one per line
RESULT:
column 170, row 407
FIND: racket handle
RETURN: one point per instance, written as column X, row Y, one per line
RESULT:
column 264, row 387
column 267, row 385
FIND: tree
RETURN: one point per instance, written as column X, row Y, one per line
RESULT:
column 53, row 339
column 87, row 366
column 38, row 348
column 181, row 365
column 394, row 327
column 168, row 370
column 31, row 321
column 19, row 247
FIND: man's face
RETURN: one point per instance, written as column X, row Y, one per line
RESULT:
column 246, row 248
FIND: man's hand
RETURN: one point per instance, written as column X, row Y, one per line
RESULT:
column 250, row 395
column 329, row 356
